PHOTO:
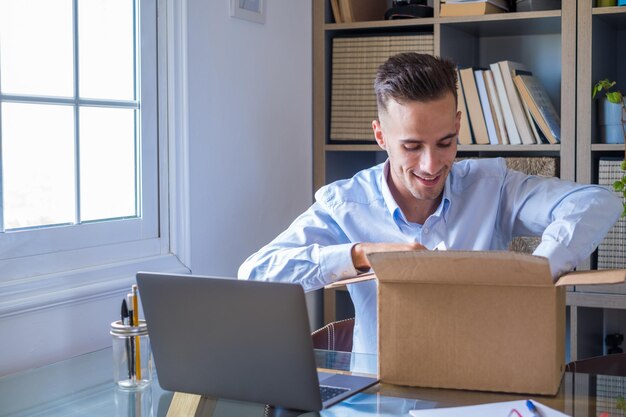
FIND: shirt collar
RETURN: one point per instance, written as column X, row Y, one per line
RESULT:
column 394, row 209
column 390, row 202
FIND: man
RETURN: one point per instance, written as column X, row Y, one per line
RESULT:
column 419, row 199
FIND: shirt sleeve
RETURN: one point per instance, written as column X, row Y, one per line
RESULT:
column 313, row 252
column 572, row 219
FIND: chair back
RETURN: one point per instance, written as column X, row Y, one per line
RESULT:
column 335, row 336
column 614, row 364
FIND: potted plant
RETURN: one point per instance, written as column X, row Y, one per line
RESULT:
column 614, row 103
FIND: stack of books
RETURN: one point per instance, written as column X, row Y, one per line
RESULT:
column 505, row 104
column 355, row 61
column 472, row 7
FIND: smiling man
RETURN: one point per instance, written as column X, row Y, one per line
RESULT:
column 420, row 199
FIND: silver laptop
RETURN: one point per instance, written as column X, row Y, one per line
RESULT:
column 238, row 340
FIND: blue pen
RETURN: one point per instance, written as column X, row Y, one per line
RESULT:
column 533, row 409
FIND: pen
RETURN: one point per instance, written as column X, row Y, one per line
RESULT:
column 128, row 347
column 532, row 408
column 136, row 323
column 133, row 352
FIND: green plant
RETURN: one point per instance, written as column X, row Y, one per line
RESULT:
column 616, row 97
column 620, row 403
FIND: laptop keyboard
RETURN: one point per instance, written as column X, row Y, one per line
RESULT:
column 330, row 392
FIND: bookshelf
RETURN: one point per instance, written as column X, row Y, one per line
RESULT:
column 546, row 42
column 596, row 310
column 537, row 39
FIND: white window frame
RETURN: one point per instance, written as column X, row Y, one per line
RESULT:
column 50, row 267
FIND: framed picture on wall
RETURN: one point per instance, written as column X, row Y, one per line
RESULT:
column 252, row 10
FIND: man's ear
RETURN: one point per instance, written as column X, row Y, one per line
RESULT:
column 378, row 134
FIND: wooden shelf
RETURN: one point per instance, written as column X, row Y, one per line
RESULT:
column 617, row 10
column 461, row 148
column 601, row 147
column 503, row 17
column 596, row 300
column 380, row 24
column 353, row 148
column 509, row 148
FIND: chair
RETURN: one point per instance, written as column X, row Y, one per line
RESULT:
column 614, row 364
column 334, row 336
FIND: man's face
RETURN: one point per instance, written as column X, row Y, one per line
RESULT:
column 420, row 139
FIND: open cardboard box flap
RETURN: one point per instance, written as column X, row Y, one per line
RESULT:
column 480, row 268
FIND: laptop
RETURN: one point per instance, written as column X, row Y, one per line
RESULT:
column 238, row 340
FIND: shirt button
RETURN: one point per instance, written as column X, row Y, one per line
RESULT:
column 425, row 230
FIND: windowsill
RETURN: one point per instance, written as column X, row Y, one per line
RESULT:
column 79, row 285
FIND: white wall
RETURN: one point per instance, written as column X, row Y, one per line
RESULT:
column 250, row 169
column 250, row 128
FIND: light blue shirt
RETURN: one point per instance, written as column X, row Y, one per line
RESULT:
column 484, row 206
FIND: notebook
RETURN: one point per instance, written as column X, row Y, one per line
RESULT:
column 238, row 340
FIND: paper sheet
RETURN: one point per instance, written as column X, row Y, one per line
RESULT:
column 492, row 410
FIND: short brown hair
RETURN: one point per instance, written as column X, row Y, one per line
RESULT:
column 414, row 77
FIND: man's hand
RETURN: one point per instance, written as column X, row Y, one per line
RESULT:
column 360, row 251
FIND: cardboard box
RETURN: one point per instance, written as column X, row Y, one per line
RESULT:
column 489, row 321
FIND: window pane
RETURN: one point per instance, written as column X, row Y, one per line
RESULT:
column 107, row 163
column 106, row 48
column 37, row 47
column 38, row 165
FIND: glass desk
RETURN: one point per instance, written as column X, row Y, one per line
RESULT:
column 83, row 386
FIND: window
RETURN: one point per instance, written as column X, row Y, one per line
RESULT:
column 78, row 133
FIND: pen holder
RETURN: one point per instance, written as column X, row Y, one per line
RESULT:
column 132, row 356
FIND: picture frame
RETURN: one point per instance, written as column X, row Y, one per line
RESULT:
column 251, row 10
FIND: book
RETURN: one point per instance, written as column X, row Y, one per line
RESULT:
column 539, row 105
column 334, row 4
column 531, row 122
column 473, row 8
column 496, row 108
column 362, row 10
column 472, row 99
column 465, row 132
column 509, row 121
column 345, row 10
column 515, row 102
column 484, row 103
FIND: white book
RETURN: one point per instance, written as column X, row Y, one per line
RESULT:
column 509, row 121
column 472, row 99
column 484, row 103
column 515, row 102
column 496, row 108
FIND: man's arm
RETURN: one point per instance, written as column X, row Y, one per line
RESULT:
column 314, row 251
column 572, row 219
